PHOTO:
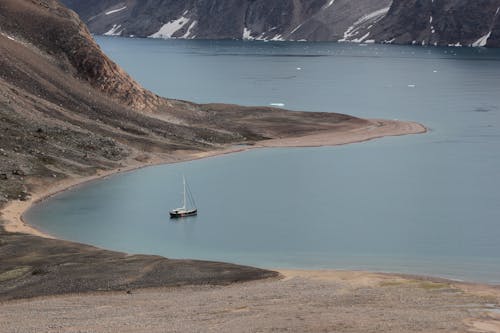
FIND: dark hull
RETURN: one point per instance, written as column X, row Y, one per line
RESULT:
column 176, row 215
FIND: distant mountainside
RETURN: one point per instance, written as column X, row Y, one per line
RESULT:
column 435, row 22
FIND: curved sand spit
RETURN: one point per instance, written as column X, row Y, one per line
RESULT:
column 302, row 301
column 375, row 128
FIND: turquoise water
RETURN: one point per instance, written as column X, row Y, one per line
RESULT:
column 424, row 204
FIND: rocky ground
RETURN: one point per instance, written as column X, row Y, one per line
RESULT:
column 355, row 302
column 68, row 112
column 34, row 266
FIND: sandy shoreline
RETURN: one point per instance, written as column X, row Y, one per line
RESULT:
column 13, row 212
column 301, row 301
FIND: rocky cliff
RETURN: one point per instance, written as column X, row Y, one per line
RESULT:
column 441, row 22
column 435, row 22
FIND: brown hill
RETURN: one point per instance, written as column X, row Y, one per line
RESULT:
column 67, row 111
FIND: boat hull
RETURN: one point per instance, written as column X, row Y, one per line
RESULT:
column 176, row 215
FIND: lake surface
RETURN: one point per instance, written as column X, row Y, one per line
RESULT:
column 425, row 204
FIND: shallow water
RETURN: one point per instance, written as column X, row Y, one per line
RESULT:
column 425, row 204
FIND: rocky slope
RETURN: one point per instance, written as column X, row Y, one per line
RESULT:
column 449, row 22
column 444, row 22
column 67, row 111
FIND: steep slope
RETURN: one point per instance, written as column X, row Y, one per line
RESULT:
column 231, row 19
column 67, row 110
column 450, row 22
column 446, row 22
column 61, row 35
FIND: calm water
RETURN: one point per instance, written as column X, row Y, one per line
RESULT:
column 426, row 204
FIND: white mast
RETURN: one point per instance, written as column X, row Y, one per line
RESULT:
column 184, row 182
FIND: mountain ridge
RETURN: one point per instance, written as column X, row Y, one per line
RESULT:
column 422, row 22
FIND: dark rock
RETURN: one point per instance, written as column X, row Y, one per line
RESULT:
column 24, row 196
column 455, row 22
column 408, row 21
column 18, row 172
column 312, row 20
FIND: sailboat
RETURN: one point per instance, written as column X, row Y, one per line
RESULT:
column 184, row 210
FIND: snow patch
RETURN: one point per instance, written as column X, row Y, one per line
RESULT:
column 432, row 26
column 329, row 4
column 247, row 34
column 482, row 41
column 114, row 30
column 361, row 39
column 115, row 10
column 296, row 28
column 170, row 28
column 188, row 32
column 354, row 29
